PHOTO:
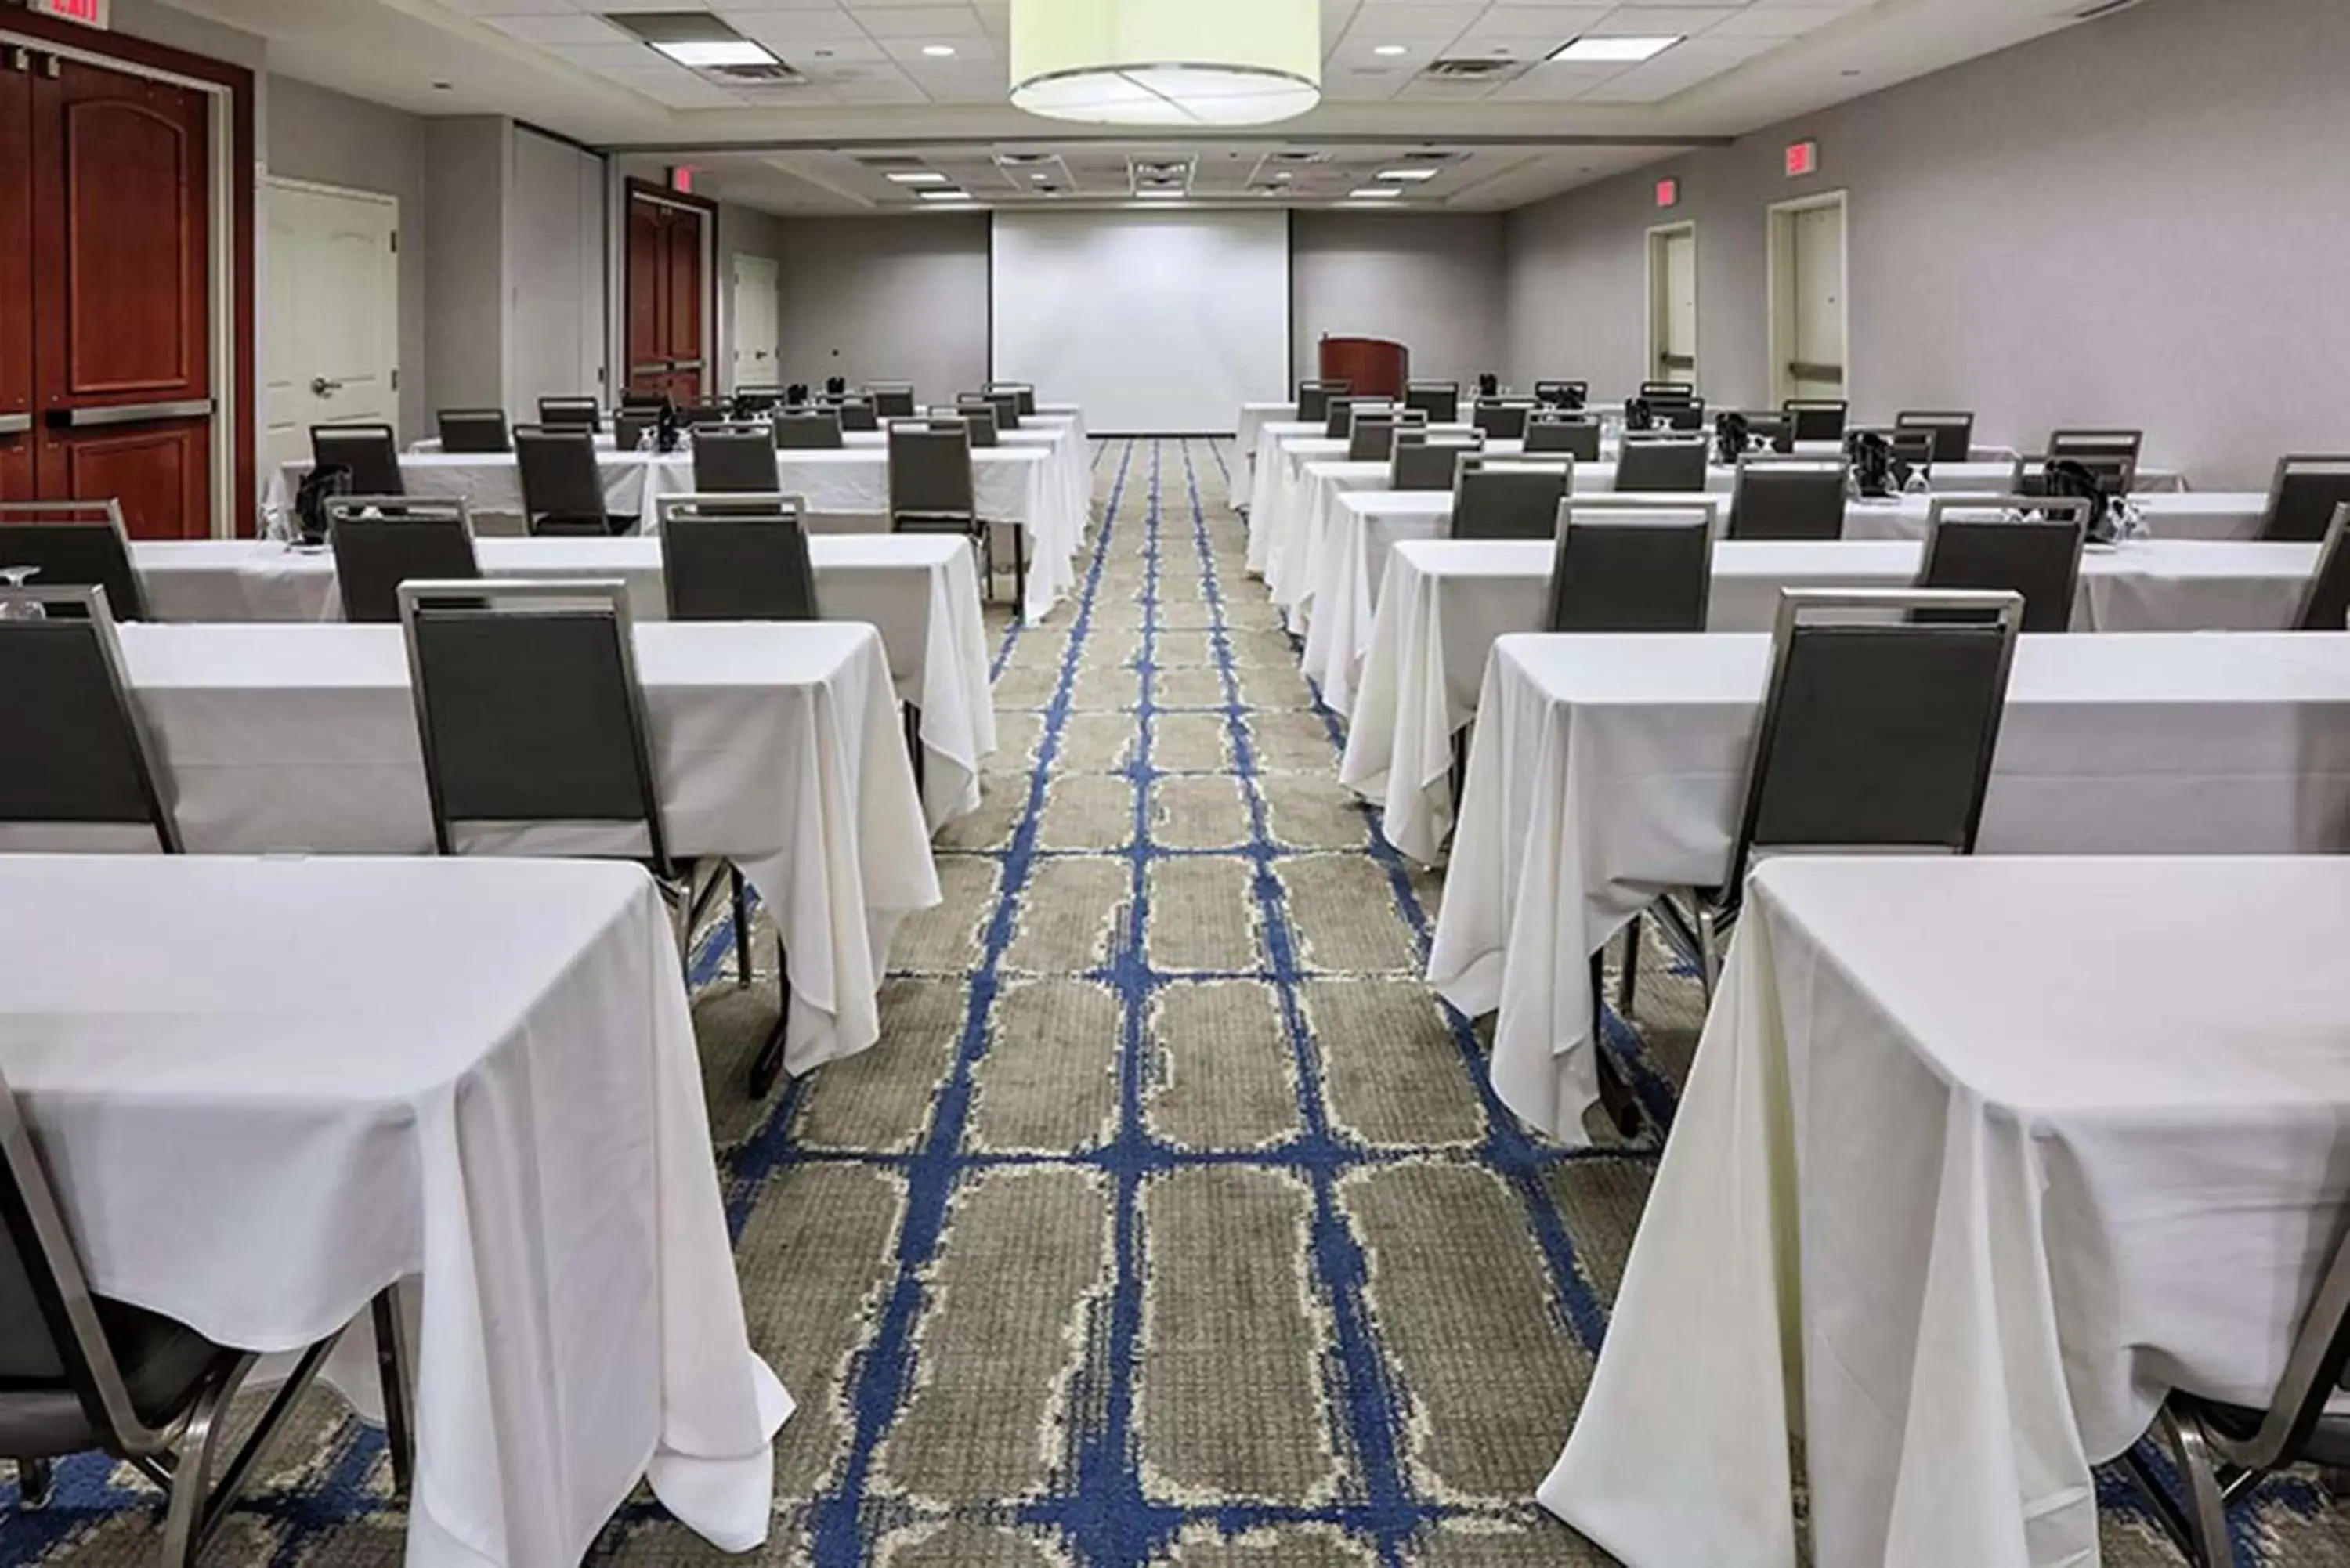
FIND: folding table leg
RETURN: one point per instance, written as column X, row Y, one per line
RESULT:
column 1019, row 572
column 1614, row 1094
column 914, row 743
column 742, row 927
column 393, row 1364
column 768, row 1066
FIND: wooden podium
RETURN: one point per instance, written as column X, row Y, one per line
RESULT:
column 1376, row 367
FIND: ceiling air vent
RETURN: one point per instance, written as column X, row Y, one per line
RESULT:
column 1474, row 70
column 774, row 74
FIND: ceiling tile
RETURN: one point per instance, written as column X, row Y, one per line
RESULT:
column 572, row 29
column 945, row 23
column 512, row 7
column 785, row 30
column 1774, row 22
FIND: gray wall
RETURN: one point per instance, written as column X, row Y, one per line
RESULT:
column 2140, row 221
column 464, row 266
column 743, row 230
column 322, row 136
column 884, row 299
column 1438, row 284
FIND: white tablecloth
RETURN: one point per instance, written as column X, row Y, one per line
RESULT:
column 488, row 481
column 775, row 746
column 1979, row 1158
column 920, row 592
column 1253, row 417
column 1605, row 770
column 1413, row 681
column 276, row 1087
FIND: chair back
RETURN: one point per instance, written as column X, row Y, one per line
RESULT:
column 1878, row 729
column 1686, row 414
column 1916, row 448
column 736, row 559
column 528, row 709
column 74, row 752
column 979, row 414
column 581, row 413
column 2325, row 602
column 1509, row 497
column 1004, row 405
column 382, row 542
column 929, row 470
column 1314, row 398
column 739, row 461
column 891, row 399
column 631, row 426
column 562, row 485
column 2009, row 544
column 1788, row 498
column 475, row 431
column 2304, row 497
column 1343, row 410
column 756, row 402
column 856, row 413
column 1661, row 464
column 2116, row 473
column 808, row 430
column 1621, row 567
column 1501, row 419
column 1426, row 461
column 1775, row 428
column 1372, row 439
column 1658, row 393
column 74, row 545
column 2108, row 453
column 1575, row 435
column 369, row 452
column 1439, row 400
column 1022, row 395
column 1816, row 418
column 1562, row 394
column 707, row 412
column 1954, row 430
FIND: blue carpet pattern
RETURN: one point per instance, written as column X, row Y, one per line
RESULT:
column 1172, row 1223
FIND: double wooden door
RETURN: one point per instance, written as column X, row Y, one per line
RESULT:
column 106, row 382
column 667, row 284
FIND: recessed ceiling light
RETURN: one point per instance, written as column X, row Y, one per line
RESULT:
column 1175, row 191
column 1283, row 174
column 944, row 195
column 1041, row 179
column 938, row 51
column 1586, row 50
column 717, row 52
column 919, row 176
column 1390, row 49
column 1373, row 194
column 1407, row 173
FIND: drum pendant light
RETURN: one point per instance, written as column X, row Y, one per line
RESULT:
column 1167, row 62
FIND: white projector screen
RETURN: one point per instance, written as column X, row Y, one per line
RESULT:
column 1155, row 323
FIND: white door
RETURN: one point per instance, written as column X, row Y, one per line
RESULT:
column 1808, row 305
column 1672, row 283
column 333, row 328
column 757, row 283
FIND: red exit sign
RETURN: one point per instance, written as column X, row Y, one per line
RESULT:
column 1669, row 193
column 1802, row 158
column 88, row 13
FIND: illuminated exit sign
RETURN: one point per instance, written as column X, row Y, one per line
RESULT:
column 88, row 13
column 1802, row 158
column 1669, row 193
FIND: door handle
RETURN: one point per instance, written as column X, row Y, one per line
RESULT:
column 321, row 386
column 129, row 414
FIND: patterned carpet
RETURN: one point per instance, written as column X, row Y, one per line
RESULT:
column 1172, row 1221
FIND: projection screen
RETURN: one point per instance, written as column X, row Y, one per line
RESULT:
column 1156, row 323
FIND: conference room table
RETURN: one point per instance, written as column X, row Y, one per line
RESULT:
column 1605, row 770
column 1978, row 1160
column 1414, row 686
column 920, row 591
column 1022, row 486
column 274, row 1087
column 774, row 746
column 1347, row 554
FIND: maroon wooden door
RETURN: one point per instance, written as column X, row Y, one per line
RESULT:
column 16, row 280
column 665, row 290
column 685, row 289
column 122, row 347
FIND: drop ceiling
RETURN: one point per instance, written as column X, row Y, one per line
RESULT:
column 1470, row 79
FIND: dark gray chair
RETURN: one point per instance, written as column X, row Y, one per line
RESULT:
column 369, row 452
column 85, row 1372
column 1022, row 395
column 1661, row 464
column 1816, row 418
column 1788, row 498
column 1954, row 430
column 1373, row 437
column 74, row 545
column 2220, row 1452
column 1509, row 497
column 1006, row 404
column 729, row 559
column 1680, row 416
column 932, row 491
column 381, row 541
column 1314, row 398
column 1426, row 461
column 74, row 752
column 893, row 399
column 2107, row 452
column 1439, row 400
column 563, row 484
column 1623, row 569
column 756, row 402
column 2303, row 496
column 573, row 413
column 981, row 414
column 2115, row 471
column 2018, row 544
column 475, row 431
column 739, row 461
column 2325, row 602
column 1572, row 435
column 808, row 430
column 530, row 714
column 1501, row 419
column 708, row 411
column 1343, row 410
column 631, row 426
column 1658, row 393
column 1772, row 428
column 856, row 413
column 1569, row 395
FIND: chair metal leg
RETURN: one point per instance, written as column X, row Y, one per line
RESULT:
column 37, row 1482
column 2207, row 1509
column 1628, row 979
column 768, row 1066
column 393, row 1361
column 184, row 1517
column 1459, row 777
column 1019, row 572
column 742, row 926
column 914, row 744
column 1709, row 940
column 1616, row 1096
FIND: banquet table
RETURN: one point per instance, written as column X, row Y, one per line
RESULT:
column 1445, row 601
column 920, row 591
column 1253, row 421
column 775, row 746
column 1979, row 1192
column 1022, row 484
column 279, row 1085
column 1605, row 770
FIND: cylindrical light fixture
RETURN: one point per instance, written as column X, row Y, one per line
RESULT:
column 1167, row 62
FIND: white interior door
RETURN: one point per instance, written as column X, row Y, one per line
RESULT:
column 1672, row 283
column 758, row 284
column 1807, row 327
column 333, row 330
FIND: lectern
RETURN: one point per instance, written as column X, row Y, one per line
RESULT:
column 1376, row 367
